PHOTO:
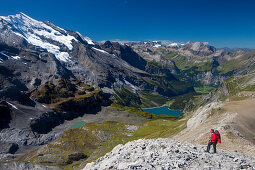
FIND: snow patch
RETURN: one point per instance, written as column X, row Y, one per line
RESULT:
column 37, row 33
column 10, row 57
column 102, row 51
column 131, row 127
column 87, row 39
column 12, row 105
column 157, row 45
column 16, row 57
column 173, row 45
column 134, row 88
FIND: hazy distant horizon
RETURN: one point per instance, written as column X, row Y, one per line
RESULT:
column 175, row 42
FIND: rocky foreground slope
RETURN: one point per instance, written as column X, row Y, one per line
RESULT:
column 169, row 154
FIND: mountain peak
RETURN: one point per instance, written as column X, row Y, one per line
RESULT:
column 39, row 34
column 23, row 15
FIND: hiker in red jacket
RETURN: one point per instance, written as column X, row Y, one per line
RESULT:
column 213, row 141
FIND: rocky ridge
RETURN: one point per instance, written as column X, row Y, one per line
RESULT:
column 169, row 154
column 198, row 62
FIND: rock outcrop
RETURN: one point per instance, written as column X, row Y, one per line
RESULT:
column 169, row 154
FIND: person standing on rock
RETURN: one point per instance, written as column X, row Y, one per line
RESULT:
column 213, row 141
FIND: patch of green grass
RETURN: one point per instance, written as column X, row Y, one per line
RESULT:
column 204, row 89
column 169, row 55
column 237, row 84
column 160, row 128
column 173, row 86
column 189, row 64
column 250, row 88
column 80, row 103
column 127, row 98
column 152, row 100
column 62, row 91
column 228, row 66
column 180, row 102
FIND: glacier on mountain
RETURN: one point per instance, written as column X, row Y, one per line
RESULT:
column 39, row 33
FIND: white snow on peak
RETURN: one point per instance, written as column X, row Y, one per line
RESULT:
column 174, row 45
column 157, row 45
column 87, row 39
column 37, row 33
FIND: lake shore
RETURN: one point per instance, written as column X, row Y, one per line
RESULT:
column 163, row 110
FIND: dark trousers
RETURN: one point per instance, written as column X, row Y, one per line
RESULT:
column 214, row 146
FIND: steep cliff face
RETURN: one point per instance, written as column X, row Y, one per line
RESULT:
column 5, row 116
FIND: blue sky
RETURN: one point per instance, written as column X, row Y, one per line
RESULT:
column 222, row 23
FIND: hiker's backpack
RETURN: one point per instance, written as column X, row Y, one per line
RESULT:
column 218, row 138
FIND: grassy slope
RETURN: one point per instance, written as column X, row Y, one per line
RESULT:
column 238, row 84
column 190, row 66
column 152, row 100
column 96, row 139
column 246, row 61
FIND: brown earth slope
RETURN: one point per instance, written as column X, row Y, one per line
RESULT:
column 234, row 119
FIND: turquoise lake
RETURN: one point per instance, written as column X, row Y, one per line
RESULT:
column 163, row 110
column 77, row 125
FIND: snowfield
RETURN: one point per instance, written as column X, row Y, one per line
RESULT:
column 38, row 33
column 169, row 154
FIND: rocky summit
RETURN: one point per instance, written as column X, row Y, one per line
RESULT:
column 169, row 154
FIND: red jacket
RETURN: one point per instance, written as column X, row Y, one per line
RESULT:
column 213, row 137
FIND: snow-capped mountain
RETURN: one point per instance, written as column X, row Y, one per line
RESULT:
column 155, row 43
column 41, row 34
